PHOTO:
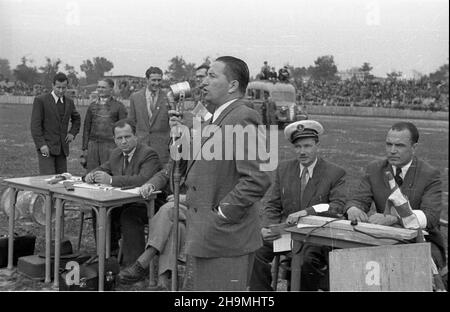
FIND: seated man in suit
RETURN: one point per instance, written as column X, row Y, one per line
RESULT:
column 130, row 164
column 418, row 181
column 306, row 183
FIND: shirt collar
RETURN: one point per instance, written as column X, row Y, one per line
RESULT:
column 221, row 108
column 310, row 168
column 148, row 93
column 56, row 98
column 130, row 154
column 404, row 169
column 102, row 100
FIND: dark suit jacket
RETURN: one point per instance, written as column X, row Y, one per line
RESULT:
column 47, row 128
column 422, row 185
column 235, row 185
column 154, row 132
column 327, row 186
column 142, row 167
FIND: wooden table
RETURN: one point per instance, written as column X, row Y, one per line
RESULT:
column 326, row 236
column 102, row 201
column 38, row 185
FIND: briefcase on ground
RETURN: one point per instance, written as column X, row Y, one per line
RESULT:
column 88, row 276
column 23, row 246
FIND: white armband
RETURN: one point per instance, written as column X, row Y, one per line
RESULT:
column 421, row 217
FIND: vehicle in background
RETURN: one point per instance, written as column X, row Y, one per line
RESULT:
column 283, row 94
column 72, row 93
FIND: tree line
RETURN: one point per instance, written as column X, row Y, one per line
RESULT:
column 324, row 68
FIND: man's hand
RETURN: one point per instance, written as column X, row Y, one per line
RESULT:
column 379, row 218
column 89, row 178
column 268, row 236
column 182, row 198
column 355, row 213
column 102, row 177
column 146, row 190
column 69, row 137
column 293, row 217
column 175, row 118
column 45, row 151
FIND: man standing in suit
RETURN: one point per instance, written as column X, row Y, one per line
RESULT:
column 130, row 164
column 149, row 110
column 97, row 130
column 418, row 181
column 49, row 127
column 307, row 184
column 222, row 217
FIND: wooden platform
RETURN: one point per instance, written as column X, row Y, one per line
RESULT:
column 384, row 268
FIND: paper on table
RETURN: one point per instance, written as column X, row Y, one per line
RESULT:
column 283, row 243
column 131, row 191
column 93, row 186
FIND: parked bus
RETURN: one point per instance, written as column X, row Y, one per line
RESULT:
column 283, row 94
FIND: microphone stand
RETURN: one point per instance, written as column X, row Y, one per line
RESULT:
column 176, row 204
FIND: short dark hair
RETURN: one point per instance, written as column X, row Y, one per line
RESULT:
column 236, row 69
column 153, row 70
column 109, row 81
column 122, row 124
column 61, row 77
column 405, row 125
column 203, row 66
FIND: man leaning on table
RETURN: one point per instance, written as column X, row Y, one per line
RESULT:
column 130, row 164
column 418, row 181
column 306, row 183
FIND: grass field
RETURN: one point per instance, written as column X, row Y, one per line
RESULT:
column 351, row 142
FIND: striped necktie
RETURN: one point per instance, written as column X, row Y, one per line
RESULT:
column 397, row 177
column 304, row 180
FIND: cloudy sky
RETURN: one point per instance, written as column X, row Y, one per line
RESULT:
column 403, row 35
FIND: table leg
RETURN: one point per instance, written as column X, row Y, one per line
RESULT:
column 101, row 248
column 296, row 266
column 152, row 277
column 48, row 237
column 12, row 213
column 108, row 235
column 58, row 208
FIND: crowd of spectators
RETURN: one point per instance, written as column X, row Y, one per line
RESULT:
column 422, row 94
column 8, row 87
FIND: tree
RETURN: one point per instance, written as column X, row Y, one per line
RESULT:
column 72, row 75
column 5, row 70
column 49, row 70
column 179, row 70
column 394, row 75
column 96, row 69
column 365, row 69
column 441, row 74
column 26, row 74
column 297, row 74
column 324, row 68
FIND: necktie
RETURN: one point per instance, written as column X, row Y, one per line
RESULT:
column 303, row 180
column 152, row 102
column 397, row 177
column 126, row 162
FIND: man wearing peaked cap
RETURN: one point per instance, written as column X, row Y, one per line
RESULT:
column 303, row 129
column 306, row 184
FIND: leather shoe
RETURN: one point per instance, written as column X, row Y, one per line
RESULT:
column 133, row 274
